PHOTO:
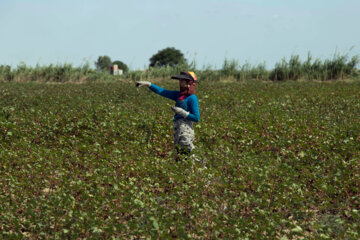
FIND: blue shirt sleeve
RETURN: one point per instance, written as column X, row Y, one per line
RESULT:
column 194, row 113
column 173, row 95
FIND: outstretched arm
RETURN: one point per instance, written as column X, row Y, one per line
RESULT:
column 173, row 95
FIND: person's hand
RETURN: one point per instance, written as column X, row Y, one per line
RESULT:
column 180, row 111
column 143, row 83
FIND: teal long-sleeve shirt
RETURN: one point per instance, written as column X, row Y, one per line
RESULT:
column 189, row 104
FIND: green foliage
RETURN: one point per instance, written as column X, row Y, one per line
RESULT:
column 6, row 74
column 167, row 57
column 53, row 73
column 103, row 63
column 121, row 66
column 338, row 68
column 96, row 161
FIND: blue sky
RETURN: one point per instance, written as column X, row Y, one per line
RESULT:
column 254, row 31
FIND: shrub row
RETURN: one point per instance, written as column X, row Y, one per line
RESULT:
column 339, row 67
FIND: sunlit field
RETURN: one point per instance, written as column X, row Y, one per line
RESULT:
column 277, row 160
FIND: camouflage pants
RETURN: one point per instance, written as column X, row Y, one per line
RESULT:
column 184, row 135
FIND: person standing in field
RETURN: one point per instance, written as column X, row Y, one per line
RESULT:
column 186, row 109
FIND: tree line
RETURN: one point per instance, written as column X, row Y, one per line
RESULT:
column 166, row 57
column 170, row 61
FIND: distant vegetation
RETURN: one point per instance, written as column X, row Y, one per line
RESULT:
column 339, row 67
column 104, row 63
column 167, row 57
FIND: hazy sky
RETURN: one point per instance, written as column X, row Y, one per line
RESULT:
column 256, row 31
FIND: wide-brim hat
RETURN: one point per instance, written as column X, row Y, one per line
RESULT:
column 188, row 76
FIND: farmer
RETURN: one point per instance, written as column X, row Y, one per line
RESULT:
column 186, row 109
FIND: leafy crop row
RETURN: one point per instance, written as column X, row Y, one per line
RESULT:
column 96, row 161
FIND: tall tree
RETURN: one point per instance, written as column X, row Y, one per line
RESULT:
column 103, row 63
column 167, row 56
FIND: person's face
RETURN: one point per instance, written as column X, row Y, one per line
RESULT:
column 184, row 83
